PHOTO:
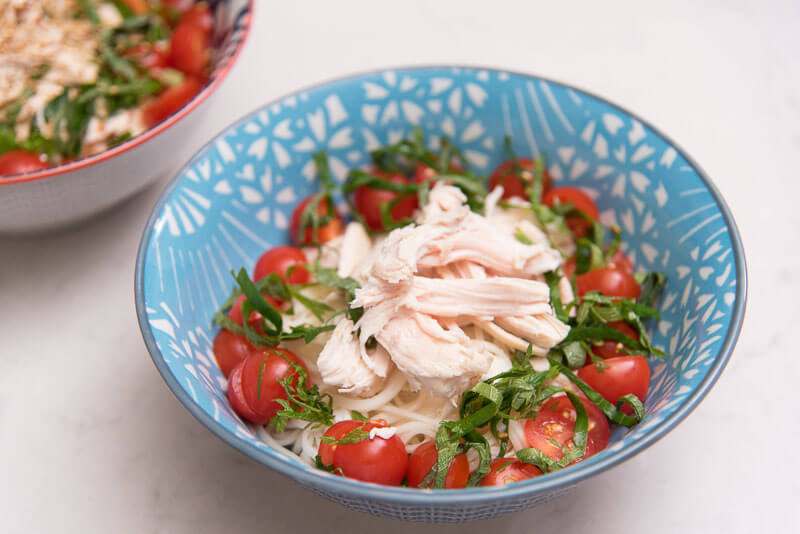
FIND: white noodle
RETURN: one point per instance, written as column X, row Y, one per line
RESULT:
column 392, row 387
column 408, row 414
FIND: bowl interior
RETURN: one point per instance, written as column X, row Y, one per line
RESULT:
column 234, row 199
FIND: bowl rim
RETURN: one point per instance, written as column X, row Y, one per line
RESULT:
column 150, row 133
column 564, row 479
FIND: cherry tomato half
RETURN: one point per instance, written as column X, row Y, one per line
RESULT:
column 369, row 200
column 514, row 183
column 236, row 395
column 20, row 161
column 555, row 421
column 422, row 460
column 579, row 200
column 378, row 460
column 611, row 348
column 170, row 101
column 609, row 281
column 616, row 377
column 507, row 471
column 231, row 349
column 278, row 260
column 189, row 49
column 334, row 228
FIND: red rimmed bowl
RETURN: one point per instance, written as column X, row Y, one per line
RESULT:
column 55, row 197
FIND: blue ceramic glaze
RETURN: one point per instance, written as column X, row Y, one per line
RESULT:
column 233, row 200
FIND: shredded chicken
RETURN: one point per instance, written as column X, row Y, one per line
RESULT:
column 340, row 363
column 445, row 362
column 509, row 340
column 487, row 297
column 355, row 248
column 539, row 329
column 328, row 254
column 449, row 232
column 542, row 330
column 425, row 282
column 478, row 239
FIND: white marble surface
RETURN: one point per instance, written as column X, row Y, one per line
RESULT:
column 91, row 440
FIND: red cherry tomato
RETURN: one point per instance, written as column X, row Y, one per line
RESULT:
column 236, row 394
column 507, row 471
column 235, row 313
column 334, row 228
column 368, row 201
column 579, row 200
column 189, row 49
column 422, row 460
column 199, row 15
column 149, row 56
column 568, row 267
column 20, row 161
column 609, row 281
column 138, row 7
column 378, row 460
column 611, row 348
column 278, row 260
column 231, row 349
column 555, row 421
column 514, row 184
column 618, row 261
column 424, row 173
column 337, row 431
column 621, row 262
column 237, row 316
column 170, row 101
column 260, row 375
column 617, row 377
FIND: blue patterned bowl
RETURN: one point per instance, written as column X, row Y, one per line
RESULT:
column 234, row 198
